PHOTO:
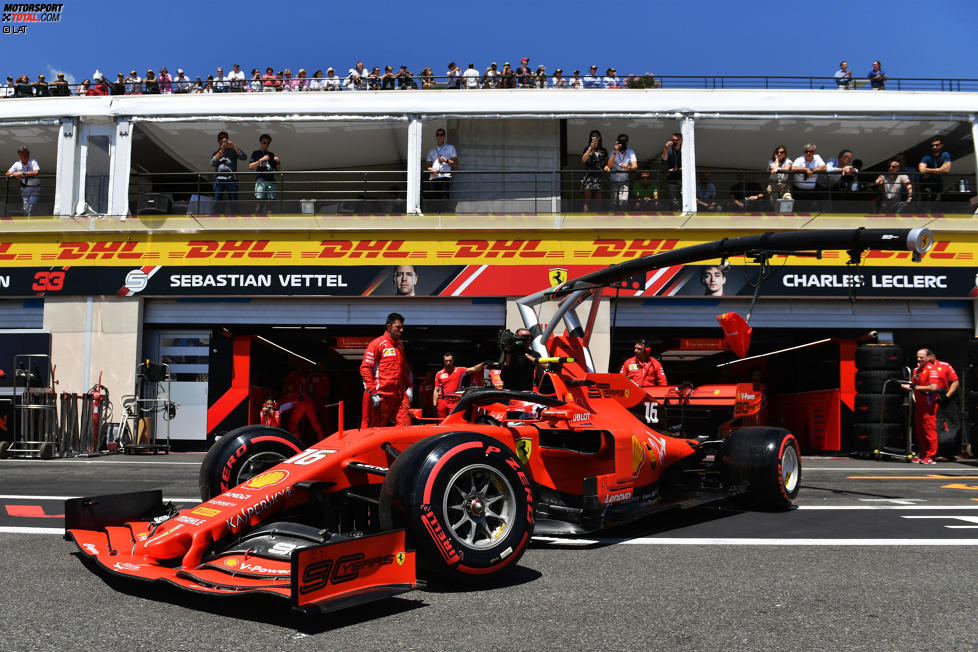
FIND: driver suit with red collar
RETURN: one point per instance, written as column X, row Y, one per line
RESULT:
column 384, row 373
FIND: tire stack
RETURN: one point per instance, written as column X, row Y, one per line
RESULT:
column 880, row 406
column 969, row 382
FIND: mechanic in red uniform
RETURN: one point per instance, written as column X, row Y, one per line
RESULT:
column 930, row 381
column 642, row 369
column 447, row 382
column 297, row 401
column 386, row 395
column 269, row 414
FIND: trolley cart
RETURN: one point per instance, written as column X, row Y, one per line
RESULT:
column 901, row 450
column 140, row 430
column 35, row 410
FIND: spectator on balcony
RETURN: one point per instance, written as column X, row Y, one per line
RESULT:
column 151, row 83
column 255, row 85
column 388, row 81
column 541, row 77
column 134, row 84
column 807, row 168
column 235, row 81
column 59, row 87
column 621, row 163
column 405, row 79
column 356, row 78
column 646, row 192
column 706, row 193
column 317, row 83
column 27, row 171
column 779, row 166
column 470, row 78
column 843, row 77
column 101, row 87
column 118, row 87
column 672, row 154
column 895, row 189
column 208, row 85
column 331, row 82
column 575, row 81
column 84, row 87
column 166, row 81
column 269, row 80
column 9, row 89
column 876, row 77
column 427, row 77
column 288, row 83
column 611, row 79
column 197, row 88
column 524, row 75
column 221, row 85
column 302, row 82
column 225, row 162
column 23, row 88
column 744, row 195
column 454, row 75
column 591, row 79
column 265, row 163
column 442, row 159
column 933, row 168
column 491, row 77
column 41, row 87
column 181, row 83
column 558, row 80
column 508, row 77
column 594, row 158
column 840, row 173
column 374, row 79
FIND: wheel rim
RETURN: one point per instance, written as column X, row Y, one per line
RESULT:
column 790, row 468
column 258, row 463
column 479, row 505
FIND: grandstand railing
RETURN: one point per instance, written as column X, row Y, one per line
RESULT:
column 533, row 192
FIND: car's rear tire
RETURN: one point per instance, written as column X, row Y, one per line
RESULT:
column 4, row 445
column 242, row 454
column 768, row 460
column 466, row 503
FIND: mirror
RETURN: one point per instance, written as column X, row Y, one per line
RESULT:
column 736, row 332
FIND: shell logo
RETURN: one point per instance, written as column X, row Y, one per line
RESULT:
column 266, row 479
column 231, row 562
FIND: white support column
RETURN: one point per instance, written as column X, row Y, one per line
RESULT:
column 974, row 143
column 67, row 166
column 689, row 164
column 119, row 165
column 414, row 167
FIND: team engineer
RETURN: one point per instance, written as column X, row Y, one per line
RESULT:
column 448, row 380
column 642, row 369
column 387, row 390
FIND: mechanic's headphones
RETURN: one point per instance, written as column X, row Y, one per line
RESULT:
column 645, row 345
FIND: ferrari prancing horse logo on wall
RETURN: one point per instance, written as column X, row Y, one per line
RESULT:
column 557, row 275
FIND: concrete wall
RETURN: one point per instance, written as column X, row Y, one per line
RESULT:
column 108, row 341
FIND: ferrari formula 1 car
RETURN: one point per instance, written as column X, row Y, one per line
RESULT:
column 363, row 513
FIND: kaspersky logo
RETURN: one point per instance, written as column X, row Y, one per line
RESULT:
column 267, row 479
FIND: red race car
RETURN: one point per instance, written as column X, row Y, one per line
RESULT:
column 359, row 515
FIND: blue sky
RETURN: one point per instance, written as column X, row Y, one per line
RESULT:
column 913, row 39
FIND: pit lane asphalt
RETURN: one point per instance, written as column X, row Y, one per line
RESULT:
column 853, row 567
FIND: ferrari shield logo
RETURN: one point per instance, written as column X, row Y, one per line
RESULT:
column 400, row 558
column 523, row 449
column 558, row 275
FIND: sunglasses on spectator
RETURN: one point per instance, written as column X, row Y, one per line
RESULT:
column 781, row 151
column 894, row 167
column 809, row 151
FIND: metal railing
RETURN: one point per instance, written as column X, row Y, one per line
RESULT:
column 373, row 192
column 12, row 200
column 499, row 79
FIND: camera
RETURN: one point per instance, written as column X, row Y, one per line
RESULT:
column 510, row 342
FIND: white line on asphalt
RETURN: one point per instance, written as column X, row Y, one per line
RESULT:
column 748, row 541
column 909, row 468
column 30, row 530
column 885, row 507
column 75, row 460
column 23, row 497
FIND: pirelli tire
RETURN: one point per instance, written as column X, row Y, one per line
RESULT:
column 882, row 357
column 242, row 454
column 877, row 408
column 466, row 503
column 875, row 382
column 768, row 461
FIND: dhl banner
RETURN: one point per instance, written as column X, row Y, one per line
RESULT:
column 443, row 264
